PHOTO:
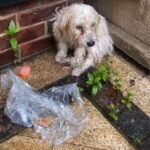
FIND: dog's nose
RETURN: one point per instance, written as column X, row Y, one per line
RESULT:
column 91, row 43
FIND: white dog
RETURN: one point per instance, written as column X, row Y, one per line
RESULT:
column 80, row 27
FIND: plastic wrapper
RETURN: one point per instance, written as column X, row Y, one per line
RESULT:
column 57, row 114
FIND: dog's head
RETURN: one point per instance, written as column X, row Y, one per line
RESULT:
column 80, row 23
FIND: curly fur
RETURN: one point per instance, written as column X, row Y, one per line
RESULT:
column 74, row 27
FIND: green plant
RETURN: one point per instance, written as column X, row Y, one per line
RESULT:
column 11, row 32
column 12, row 28
column 137, row 141
column 80, row 89
column 102, row 74
column 127, row 101
column 115, row 78
column 96, row 78
column 114, row 110
column 117, row 83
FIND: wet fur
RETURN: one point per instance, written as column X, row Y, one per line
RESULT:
column 68, row 35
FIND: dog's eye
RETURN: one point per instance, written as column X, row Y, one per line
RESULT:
column 93, row 25
column 79, row 27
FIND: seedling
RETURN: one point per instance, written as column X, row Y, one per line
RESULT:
column 96, row 78
column 114, row 110
column 80, row 89
column 137, row 138
column 11, row 32
column 127, row 101
column 12, row 29
column 117, row 83
column 102, row 74
column 137, row 141
column 115, row 78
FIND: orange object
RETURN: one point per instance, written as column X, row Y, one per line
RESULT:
column 25, row 72
column 46, row 121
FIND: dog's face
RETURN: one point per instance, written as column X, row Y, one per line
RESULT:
column 81, row 25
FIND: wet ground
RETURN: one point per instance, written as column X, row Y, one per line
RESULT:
column 99, row 133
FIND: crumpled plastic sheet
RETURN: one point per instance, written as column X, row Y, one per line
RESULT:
column 63, row 104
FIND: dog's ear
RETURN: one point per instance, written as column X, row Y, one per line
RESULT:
column 99, row 18
column 102, row 28
column 65, row 22
column 98, row 25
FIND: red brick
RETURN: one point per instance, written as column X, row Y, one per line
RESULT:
column 4, row 42
column 39, row 14
column 31, row 33
column 26, row 34
column 36, row 46
column 4, row 22
column 6, row 57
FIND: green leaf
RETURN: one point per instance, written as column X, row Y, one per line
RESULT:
column 130, row 95
column 112, row 106
column 12, row 27
column 97, row 79
column 105, row 75
column 113, row 116
column 116, row 110
column 17, row 29
column 137, row 141
column 104, row 71
column 123, row 101
column 14, row 43
column 99, row 86
column 129, row 105
column 90, row 77
column 94, row 90
column 96, row 74
column 80, row 89
column 89, row 82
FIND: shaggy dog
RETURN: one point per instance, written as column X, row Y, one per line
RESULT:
column 80, row 27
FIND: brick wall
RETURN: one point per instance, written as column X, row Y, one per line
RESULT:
column 34, row 19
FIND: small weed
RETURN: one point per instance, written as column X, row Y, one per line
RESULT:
column 114, row 110
column 115, row 78
column 80, row 89
column 11, row 32
column 102, row 74
column 96, row 78
column 137, row 139
column 127, row 101
column 117, row 83
column 12, row 28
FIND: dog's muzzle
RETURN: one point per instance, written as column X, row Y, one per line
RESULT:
column 90, row 43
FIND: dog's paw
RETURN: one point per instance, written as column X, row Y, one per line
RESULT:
column 76, row 71
column 58, row 58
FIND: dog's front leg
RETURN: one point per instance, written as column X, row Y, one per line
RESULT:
column 86, row 63
column 77, row 61
column 79, row 57
column 62, row 52
column 89, row 62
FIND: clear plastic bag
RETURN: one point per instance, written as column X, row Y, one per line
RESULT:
column 51, row 113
